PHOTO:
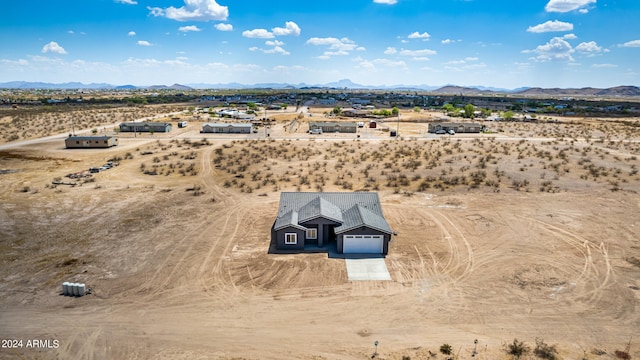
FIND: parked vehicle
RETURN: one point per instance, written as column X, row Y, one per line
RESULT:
column 441, row 132
column 451, row 132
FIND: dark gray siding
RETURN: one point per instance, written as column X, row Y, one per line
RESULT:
column 280, row 245
column 323, row 225
column 365, row 231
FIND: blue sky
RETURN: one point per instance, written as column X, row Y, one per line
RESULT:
column 499, row 43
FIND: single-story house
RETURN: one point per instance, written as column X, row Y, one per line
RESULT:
column 227, row 128
column 457, row 127
column 85, row 142
column 160, row 127
column 353, row 221
column 354, row 113
column 334, row 126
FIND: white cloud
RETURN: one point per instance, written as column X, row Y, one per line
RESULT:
column 416, row 35
column 189, row 28
column 568, row 5
column 422, row 52
column 274, row 43
column 390, row 50
column 71, row 32
column 276, row 48
column 193, row 10
column 290, row 28
column 632, row 43
column 386, row 2
column 258, row 33
column 132, row 33
column 557, row 49
column 449, row 41
column 128, row 2
column 53, row 47
column 143, row 43
column 464, row 67
column 604, row 66
column 550, row 26
column 19, row 62
column 570, row 36
column 336, row 46
column 390, row 63
column 464, row 61
column 590, row 47
column 224, row 27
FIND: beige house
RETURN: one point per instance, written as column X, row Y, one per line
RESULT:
column 85, row 142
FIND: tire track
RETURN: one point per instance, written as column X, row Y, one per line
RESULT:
column 590, row 269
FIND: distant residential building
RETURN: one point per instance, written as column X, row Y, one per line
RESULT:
column 328, row 101
column 457, row 127
column 87, row 142
column 354, row 113
column 222, row 128
column 334, row 126
column 161, row 127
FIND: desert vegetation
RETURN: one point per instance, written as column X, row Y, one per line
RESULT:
column 407, row 167
column 40, row 121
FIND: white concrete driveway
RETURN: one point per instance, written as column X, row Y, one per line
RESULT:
column 367, row 269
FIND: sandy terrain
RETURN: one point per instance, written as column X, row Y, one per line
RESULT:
column 179, row 263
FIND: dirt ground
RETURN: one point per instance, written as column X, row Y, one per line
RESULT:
column 179, row 265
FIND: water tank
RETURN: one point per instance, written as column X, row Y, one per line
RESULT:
column 76, row 288
column 81, row 289
column 65, row 288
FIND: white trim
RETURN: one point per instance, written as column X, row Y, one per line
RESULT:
column 312, row 233
column 290, row 238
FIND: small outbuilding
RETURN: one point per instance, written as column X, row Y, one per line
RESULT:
column 456, row 127
column 88, row 142
column 334, row 126
column 160, row 127
column 372, row 124
column 227, row 128
column 353, row 222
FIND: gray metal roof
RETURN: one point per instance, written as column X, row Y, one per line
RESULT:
column 227, row 125
column 143, row 123
column 288, row 219
column 358, row 216
column 87, row 138
column 333, row 123
column 351, row 209
column 319, row 207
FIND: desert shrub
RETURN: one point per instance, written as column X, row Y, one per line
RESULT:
column 622, row 355
column 446, row 349
column 517, row 349
column 545, row 351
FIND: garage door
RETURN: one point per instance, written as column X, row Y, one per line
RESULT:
column 362, row 244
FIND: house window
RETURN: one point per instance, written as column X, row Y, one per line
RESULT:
column 312, row 233
column 290, row 238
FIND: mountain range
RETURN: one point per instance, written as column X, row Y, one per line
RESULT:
column 345, row 84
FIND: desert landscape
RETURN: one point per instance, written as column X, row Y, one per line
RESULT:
column 526, row 234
